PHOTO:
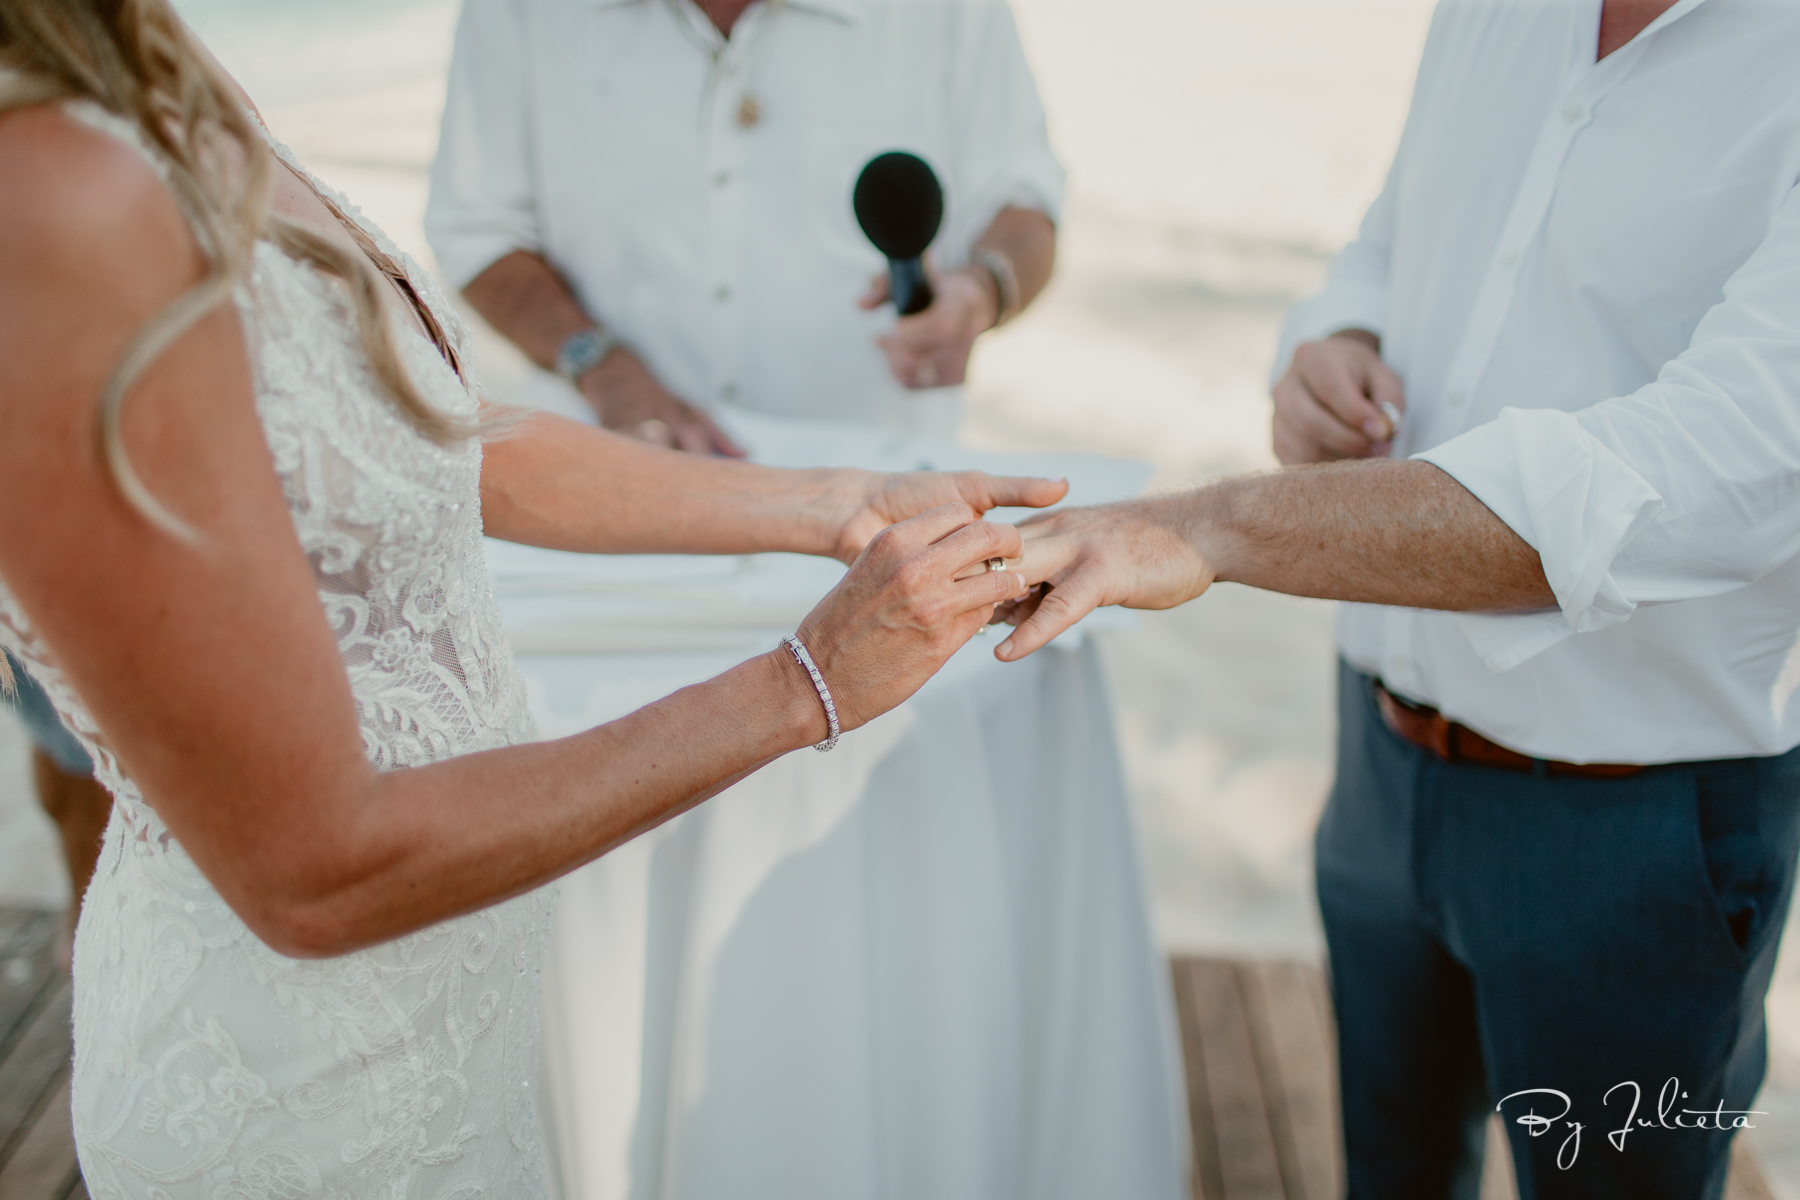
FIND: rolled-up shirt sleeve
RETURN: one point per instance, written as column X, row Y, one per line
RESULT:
column 1687, row 488
column 483, row 203
column 1002, row 139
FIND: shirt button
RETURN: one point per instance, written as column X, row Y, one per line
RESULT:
column 1510, row 259
column 1455, row 396
column 728, row 391
column 722, row 293
column 722, row 178
column 1572, row 113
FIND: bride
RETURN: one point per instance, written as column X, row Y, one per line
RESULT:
column 243, row 481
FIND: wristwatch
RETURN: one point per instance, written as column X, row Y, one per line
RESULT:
column 581, row 352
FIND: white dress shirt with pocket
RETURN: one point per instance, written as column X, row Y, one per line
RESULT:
column 695, row 191
column 1588, row 276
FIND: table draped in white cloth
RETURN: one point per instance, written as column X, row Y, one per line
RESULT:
column 919, row 967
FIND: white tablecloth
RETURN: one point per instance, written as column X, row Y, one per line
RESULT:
column 918, row 967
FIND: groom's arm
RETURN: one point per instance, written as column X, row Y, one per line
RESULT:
column 1379, row 532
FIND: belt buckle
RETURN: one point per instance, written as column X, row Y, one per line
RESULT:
column 1444, row 742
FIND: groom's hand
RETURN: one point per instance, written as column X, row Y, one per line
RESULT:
column 1137, row 554
column 888, row 499
column 1337, row 400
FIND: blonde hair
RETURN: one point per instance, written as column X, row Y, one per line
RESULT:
column 138, row 60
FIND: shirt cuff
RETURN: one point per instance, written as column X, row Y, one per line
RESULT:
column 1573, row 500
column 1037, row 195
column 1339, row 307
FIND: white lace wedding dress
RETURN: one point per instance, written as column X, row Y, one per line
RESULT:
column 206, row 1064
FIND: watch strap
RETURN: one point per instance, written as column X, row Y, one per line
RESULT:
column 582, row 351
column 1006, row 283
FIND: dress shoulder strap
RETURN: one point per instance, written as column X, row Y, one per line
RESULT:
column 440, row 316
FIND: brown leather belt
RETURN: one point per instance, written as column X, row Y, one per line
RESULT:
column 1429, row 729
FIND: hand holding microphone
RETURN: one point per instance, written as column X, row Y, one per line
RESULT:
column 900, row 206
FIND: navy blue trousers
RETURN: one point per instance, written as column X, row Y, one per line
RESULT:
column 1580, row 941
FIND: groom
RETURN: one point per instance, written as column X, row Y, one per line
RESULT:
column 1552, row 392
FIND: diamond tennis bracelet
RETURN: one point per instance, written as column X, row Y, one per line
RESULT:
column 794, row 645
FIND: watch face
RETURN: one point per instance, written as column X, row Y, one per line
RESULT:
column 581, row 351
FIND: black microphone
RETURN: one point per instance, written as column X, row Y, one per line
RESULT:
column 900, row 204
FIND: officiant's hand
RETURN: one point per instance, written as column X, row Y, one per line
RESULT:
column 630, row 400
column 876, row 501
column 902, row 609
column 1135, row 554
column 931, row 348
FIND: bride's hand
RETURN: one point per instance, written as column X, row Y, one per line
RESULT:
column 875, row 502
column 1134, row 554
column 901, row 611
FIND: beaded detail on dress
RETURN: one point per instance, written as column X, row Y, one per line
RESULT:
column 207, row 1065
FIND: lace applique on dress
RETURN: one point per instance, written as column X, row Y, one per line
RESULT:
column 206, row 1065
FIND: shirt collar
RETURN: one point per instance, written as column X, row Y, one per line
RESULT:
column 843, row 10
column 1674, row 14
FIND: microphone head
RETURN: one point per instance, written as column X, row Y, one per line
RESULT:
column 899, row 204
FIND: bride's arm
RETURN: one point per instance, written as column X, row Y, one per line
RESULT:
column 558, row 483
column 210, row 666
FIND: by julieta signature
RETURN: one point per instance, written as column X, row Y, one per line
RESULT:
column 1668, row 1116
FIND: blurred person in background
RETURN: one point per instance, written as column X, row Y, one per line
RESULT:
column 652, row 198
column 1565, row 347
column 70, row 796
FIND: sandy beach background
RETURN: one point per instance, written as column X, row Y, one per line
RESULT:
column 1219, row 151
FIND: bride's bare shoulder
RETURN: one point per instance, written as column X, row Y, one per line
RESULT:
column 78, row 199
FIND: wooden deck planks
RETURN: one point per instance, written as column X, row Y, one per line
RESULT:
column 1497, row 1182
column 1208, row 1182
column 1249, row 1167
column 27, row 968
column 1291, row 1031
column 1257, row 1039
column 37, row 1145
column 1746, row 1182
column 38, row 1063
column 43, row 1167
column 1260, row 1047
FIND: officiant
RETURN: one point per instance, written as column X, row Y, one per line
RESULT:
column 921, row 965
column 653, row 200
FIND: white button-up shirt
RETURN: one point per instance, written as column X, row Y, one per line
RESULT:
column 695, row 191
column 1588, row 276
